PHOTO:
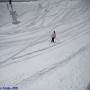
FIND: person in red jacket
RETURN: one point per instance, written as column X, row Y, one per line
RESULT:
column 53, row 36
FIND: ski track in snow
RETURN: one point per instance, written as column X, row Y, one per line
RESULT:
column 41, row 73
column 62, row 15
column 67, row 40
column 33, row 44
column 78, row 29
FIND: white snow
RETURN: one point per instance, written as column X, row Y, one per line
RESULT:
column 28, row 59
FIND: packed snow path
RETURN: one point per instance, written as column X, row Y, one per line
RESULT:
column 30, row 61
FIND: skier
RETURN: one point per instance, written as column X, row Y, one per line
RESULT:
column 53, row 36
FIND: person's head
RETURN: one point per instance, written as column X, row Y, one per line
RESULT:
column 54, row 31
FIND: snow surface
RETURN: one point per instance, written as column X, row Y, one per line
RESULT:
column 29, row 61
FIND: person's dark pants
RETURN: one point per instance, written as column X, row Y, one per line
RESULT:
column 52, row 39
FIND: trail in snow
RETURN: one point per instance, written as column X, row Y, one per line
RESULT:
column 25, row 46
column 40, row 51
column 68, row 34
column 44, row 71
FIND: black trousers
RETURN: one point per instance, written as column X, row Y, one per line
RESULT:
column 52, row 39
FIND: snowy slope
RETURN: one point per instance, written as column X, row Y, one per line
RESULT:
column 27, row 58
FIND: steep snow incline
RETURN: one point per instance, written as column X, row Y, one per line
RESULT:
column 32, row 62
column 61, row 13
